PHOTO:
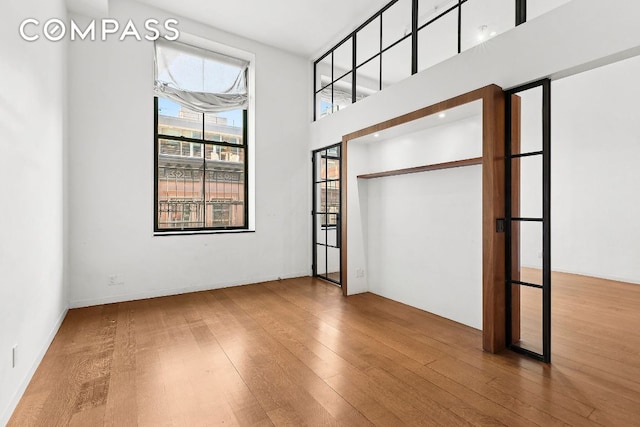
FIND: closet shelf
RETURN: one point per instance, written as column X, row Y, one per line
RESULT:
column 424, row 168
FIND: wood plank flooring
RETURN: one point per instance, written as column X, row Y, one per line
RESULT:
column 296, row 352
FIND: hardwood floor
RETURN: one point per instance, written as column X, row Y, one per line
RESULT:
column 296, row 352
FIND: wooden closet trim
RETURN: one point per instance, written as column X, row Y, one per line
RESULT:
column 493, row 198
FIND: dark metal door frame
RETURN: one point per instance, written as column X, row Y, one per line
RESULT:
column 545, row 220
column 316, row 214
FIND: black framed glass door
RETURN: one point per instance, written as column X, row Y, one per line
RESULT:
column 327, row 226
column 528, row 219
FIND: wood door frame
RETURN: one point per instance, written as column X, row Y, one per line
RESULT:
column 493, row 202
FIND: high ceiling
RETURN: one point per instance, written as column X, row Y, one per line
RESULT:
column 305, row 27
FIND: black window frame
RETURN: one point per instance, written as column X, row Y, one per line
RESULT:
column 326, row 181
column 519, row 19
column 244, row 145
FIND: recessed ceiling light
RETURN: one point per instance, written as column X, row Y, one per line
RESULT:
column 375, row 135
column 442, row 115
column 493, row 33
column 482, row 32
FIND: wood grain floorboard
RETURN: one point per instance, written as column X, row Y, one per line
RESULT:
column 296, row 352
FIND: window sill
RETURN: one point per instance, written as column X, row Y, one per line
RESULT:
column 200, row 232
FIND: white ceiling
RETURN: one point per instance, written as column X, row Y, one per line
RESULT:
column 305, row 27
column 423, row 124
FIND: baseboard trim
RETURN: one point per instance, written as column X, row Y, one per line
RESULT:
column 600, row 276
column 178, row 291
column 587, row 274
column 4, row 419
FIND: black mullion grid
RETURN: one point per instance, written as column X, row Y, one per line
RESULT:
column 432, row 20
column 521, row 12
column 326, row 229
column 508, row 226
column 414, row 36
column 520, row 18
column 377, row 55
column 192, row 187
column 315, row 93
column 353, row 64
column 368, row 21
column 380, row 54
column 395, row 43
column 545, row 220
column 392, row 45
column 336, row 80
column 353, row 67
column 328, row 180
column 526, row 352
column 215, row 177
column 314, row 216
column 203, row 143
column 530, row 285
column 339, row 214
column 315, row 69
column 204, row 176
column 332, row 77
column 200, row 141
column 372, row 18
column 546, row 225
column 156, row 150
column 530, row 154
column 460, row 26
column 324, row 154
column 245, row 144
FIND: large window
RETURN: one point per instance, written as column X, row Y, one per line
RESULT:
column 200, row 141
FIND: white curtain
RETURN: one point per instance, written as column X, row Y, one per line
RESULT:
column 198, row 79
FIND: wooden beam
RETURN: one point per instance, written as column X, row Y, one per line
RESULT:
column 422, row 112
column 493, row 208
column 344, row 170
column 516, row 109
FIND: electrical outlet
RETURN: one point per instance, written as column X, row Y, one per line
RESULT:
column 360, row 272
column 115, row 280
column 14, row 355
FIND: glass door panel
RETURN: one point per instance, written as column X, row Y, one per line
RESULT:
column 326, row 213
column 528, row 219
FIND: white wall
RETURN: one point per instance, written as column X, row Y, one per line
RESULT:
column 33, row 297
column 357, row 230
column 111, row 175
column 457, row 140
column 423, row 231
column 595, row 176
column 577, row 36
column 425, row 241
